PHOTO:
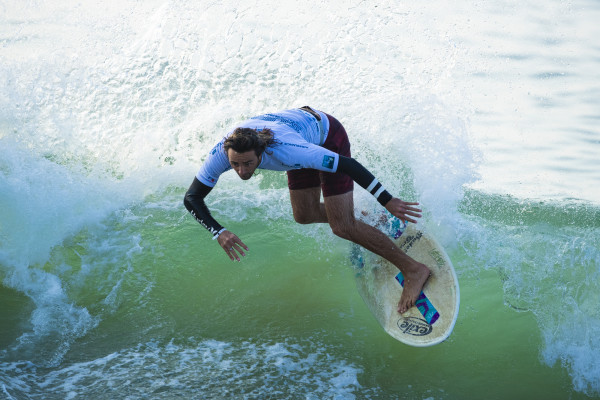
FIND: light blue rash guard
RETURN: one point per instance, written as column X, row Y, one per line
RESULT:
column 298, row 145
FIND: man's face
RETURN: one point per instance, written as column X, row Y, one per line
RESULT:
column 243, row 163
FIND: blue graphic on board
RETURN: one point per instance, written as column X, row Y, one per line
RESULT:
column 396, row 227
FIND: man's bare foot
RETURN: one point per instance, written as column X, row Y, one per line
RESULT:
column 414, row 280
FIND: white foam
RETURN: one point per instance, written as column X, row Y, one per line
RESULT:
column 212, row 368
column 553, row 272
column 576, row 345
column 44, row 202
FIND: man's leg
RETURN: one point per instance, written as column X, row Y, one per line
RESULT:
column 340, row 215
column 307, row 206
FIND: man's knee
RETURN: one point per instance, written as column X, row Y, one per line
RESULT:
column 308, row 215
column 303, row 218
column 345, row 231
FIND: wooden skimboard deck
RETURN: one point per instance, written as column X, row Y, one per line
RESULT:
column 379, row 284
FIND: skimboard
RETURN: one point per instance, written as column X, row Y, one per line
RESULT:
column 380, row 285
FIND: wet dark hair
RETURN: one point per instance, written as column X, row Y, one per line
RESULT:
column 246, row 139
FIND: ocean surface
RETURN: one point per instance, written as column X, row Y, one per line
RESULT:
column 487, row 113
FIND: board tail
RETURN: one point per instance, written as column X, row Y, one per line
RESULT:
column 423, row 304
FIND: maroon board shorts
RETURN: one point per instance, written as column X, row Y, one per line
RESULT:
column 331, row 183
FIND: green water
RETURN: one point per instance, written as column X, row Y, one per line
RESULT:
column 158, row 284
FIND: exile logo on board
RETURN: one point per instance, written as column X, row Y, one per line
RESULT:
column 414, row 326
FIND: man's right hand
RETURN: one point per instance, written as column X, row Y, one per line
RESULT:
column 232, row 245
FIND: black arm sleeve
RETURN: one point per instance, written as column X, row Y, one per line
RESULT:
column 194, row 202
column 364, row 178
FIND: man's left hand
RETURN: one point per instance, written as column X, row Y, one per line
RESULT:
column 403, row 210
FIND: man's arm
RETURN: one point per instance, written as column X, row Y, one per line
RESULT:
column 362, row 176
column 194, row 202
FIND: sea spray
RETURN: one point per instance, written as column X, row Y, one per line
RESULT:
column 113, row 106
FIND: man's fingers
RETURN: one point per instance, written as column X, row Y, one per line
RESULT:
column 241, row 244
column 413, row 209
column 238, row 247
column 413, row 213
column 406, row 214
column 234, row 246
column 409, row 219
column 232, row 254
column 406, row 211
